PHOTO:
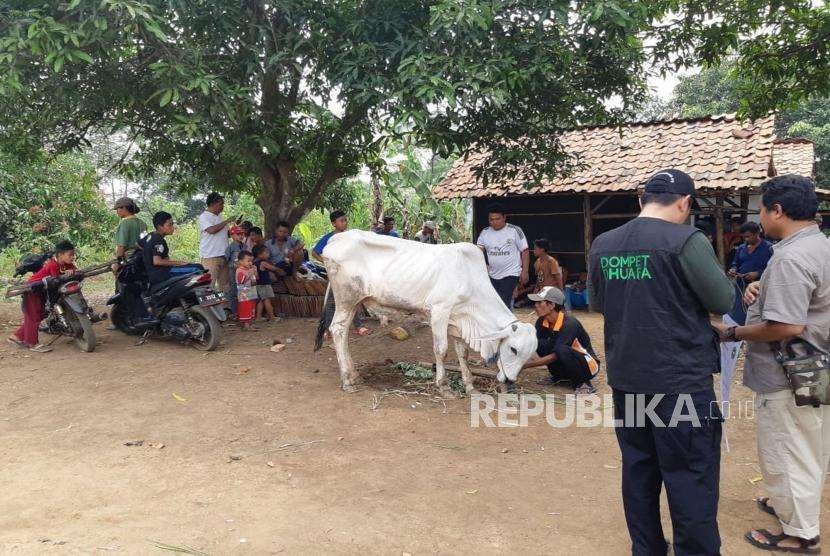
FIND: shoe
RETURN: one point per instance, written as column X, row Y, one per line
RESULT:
column 585, row 389
column 550, row 380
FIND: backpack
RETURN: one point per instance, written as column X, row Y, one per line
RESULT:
column 32, row 263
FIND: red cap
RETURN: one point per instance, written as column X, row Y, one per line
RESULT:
column 237, row 230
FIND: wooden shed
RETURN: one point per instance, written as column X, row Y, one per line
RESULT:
column 728, row 160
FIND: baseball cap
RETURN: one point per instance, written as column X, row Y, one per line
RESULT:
column 125, row 202
column 237, row 230
column 673, row 181
column 548, row 293
column 429, row 224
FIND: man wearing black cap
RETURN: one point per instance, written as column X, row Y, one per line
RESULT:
column 655, row 280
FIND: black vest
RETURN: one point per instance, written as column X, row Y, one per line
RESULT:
column 657, row 334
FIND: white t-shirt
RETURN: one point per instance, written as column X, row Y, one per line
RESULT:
column 504, row 250
column 212, row 245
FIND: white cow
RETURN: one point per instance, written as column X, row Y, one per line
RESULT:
column 447, row 283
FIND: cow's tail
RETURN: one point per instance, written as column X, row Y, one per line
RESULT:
column 325, row 320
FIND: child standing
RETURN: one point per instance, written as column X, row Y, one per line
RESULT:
column 246, row 290
column 232, row 256
column 34, row 303
column 265, row 289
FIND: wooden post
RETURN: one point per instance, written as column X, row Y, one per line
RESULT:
column 719, row 245
column 744, row 204
column 587, row 225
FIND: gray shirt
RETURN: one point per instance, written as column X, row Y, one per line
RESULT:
column 277, row 253
column 795, row 289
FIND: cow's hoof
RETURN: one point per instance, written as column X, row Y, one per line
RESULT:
column 349, row 388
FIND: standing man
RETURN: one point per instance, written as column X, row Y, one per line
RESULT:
column 505, row 248
column 213, row 241
column 427, row 233
column 656, row 280
column 749, row 263
column 130, row 228
column 340, row 223
column 794, row 302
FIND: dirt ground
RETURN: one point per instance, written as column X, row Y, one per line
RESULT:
column 263, row 454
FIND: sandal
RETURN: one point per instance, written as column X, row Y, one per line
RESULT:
column 362, row 331
column 763, row 505
column 806, row 546
column 15, row 341
column 40, row 348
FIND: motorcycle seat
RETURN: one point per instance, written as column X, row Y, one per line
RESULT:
column 156, row 288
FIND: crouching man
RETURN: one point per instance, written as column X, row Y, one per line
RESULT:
column 564, row 345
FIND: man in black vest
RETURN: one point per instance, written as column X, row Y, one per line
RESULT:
column 656, row 280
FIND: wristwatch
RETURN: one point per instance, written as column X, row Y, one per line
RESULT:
column 730, row 334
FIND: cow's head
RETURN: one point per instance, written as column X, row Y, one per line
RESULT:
column 517, row 343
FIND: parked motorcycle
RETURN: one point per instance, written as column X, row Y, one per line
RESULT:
column 184, row 307
column 67, row 311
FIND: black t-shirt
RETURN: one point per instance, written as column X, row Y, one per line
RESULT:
column 154, row 245
column 263, row 276
column 570, row 330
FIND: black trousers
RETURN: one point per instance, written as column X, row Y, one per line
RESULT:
column 569, row 365
column 684, row 457
column 505, row 288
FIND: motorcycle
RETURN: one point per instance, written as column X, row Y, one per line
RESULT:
column 67, row 311
column 184, row 307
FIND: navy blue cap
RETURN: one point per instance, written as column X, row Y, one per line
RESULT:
column 675, row 182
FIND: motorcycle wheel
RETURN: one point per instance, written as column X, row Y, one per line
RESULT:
column 212, row 329
column 120, row 318
column 84, row 335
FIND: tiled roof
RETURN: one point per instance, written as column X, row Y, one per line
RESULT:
column 718, row 152
column 794, row 156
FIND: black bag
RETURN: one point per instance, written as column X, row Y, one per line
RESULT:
column 32, row 263
column 808, row 373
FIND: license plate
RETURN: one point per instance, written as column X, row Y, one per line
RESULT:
column 211, row 299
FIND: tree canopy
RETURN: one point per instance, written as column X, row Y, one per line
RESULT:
column 283, row 99
column 717, row 90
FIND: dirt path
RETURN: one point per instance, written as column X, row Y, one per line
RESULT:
column 313, row 469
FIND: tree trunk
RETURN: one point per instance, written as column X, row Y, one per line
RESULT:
column 278, row 195
column 275, row 201
column 377, row 198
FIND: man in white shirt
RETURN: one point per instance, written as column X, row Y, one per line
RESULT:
column 213, row 241
column 505, row 248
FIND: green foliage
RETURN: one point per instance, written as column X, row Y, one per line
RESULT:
column 718, row 90
column 43, row 201
column 779, row 47
column 408, row 195
column 282, row 99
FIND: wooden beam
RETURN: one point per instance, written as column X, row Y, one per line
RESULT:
column 588, row 226
column 599, row 205
column 719, row 244
column 615, row 215
column 745, row 201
